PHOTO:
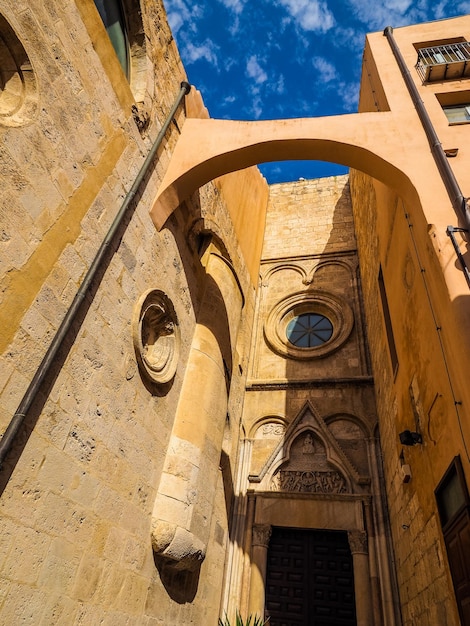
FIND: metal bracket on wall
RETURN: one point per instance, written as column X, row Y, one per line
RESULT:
column 450, row 232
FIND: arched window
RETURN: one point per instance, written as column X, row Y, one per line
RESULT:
column 112, row 14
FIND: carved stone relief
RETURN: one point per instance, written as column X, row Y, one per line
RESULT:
column 261, row 535
column 308, row 470
column 358, row 541
column 156, row 336
column 312, row 456
column 270, row 430
column 309, row 482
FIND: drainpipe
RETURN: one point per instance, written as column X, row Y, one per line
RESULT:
column 18, row 418
column 459, row 202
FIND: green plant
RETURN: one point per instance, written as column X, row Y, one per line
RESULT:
column 258, row 621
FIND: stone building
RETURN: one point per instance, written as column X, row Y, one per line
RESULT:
column 215, row 394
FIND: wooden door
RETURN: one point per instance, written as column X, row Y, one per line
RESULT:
column 310, row 579
column 457, row 538
column 453, row 502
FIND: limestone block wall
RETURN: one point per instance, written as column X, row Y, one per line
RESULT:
column 79, row 486
column 309, row 414
column 309, row 253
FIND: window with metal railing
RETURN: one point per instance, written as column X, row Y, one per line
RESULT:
column 444, row 62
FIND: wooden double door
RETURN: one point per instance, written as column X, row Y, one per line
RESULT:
column 310, row 578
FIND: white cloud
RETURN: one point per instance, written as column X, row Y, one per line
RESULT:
column 256, row 107
column 349, row 94
column 255, row 71
column 377, row 16
column 462, row 7
column 279, row 86
column 206, row 51
column 439, row 9
column 175, row 21
column 179, row 14
column 229, row 62
column 311, row 15
column 234, row 5
column 326, row 70
column 352, row 38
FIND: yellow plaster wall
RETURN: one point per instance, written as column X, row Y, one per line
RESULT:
column 245, row 194
column 429, row 307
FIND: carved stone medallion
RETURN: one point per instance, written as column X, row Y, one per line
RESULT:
column 156, row 336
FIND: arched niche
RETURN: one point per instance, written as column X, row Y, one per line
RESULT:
column 18, row 85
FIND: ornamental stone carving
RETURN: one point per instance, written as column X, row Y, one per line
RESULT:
column 358, row 541
column 272, row 429
column 261, row 535
column 331, row 307
column 309, row 482
column 156, row 336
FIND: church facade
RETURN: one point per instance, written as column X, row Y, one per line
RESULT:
column 219, row 395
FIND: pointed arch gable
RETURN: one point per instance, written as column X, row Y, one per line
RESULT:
column 334, row 453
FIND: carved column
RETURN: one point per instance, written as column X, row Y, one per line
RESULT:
column 183, row 508
column 362, row 586
column 259, row 557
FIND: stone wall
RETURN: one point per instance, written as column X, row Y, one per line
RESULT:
column 79, row 485
column 309, row 413
column 309, row 256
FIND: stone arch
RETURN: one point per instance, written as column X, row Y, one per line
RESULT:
column 351, row 433
column 210, row 148
column 265, row 434
column 325, row 264
column 18, row 85
column 355, row 419
column 279, row 420
column 295, row 267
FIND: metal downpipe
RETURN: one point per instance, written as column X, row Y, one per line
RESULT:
column 18, row 418
column 459, row 202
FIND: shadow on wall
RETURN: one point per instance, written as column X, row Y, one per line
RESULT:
column 180, row 585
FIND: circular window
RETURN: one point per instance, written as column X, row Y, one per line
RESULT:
column 309, row 330
column 156, row 336
column 308, row 325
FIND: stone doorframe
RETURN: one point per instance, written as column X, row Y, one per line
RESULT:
column 348, row 513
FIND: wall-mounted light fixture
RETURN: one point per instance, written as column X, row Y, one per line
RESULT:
column 410, row 438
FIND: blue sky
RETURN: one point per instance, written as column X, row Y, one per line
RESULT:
column 270, row 59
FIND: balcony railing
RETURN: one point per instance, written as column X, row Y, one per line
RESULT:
column 449, row 62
